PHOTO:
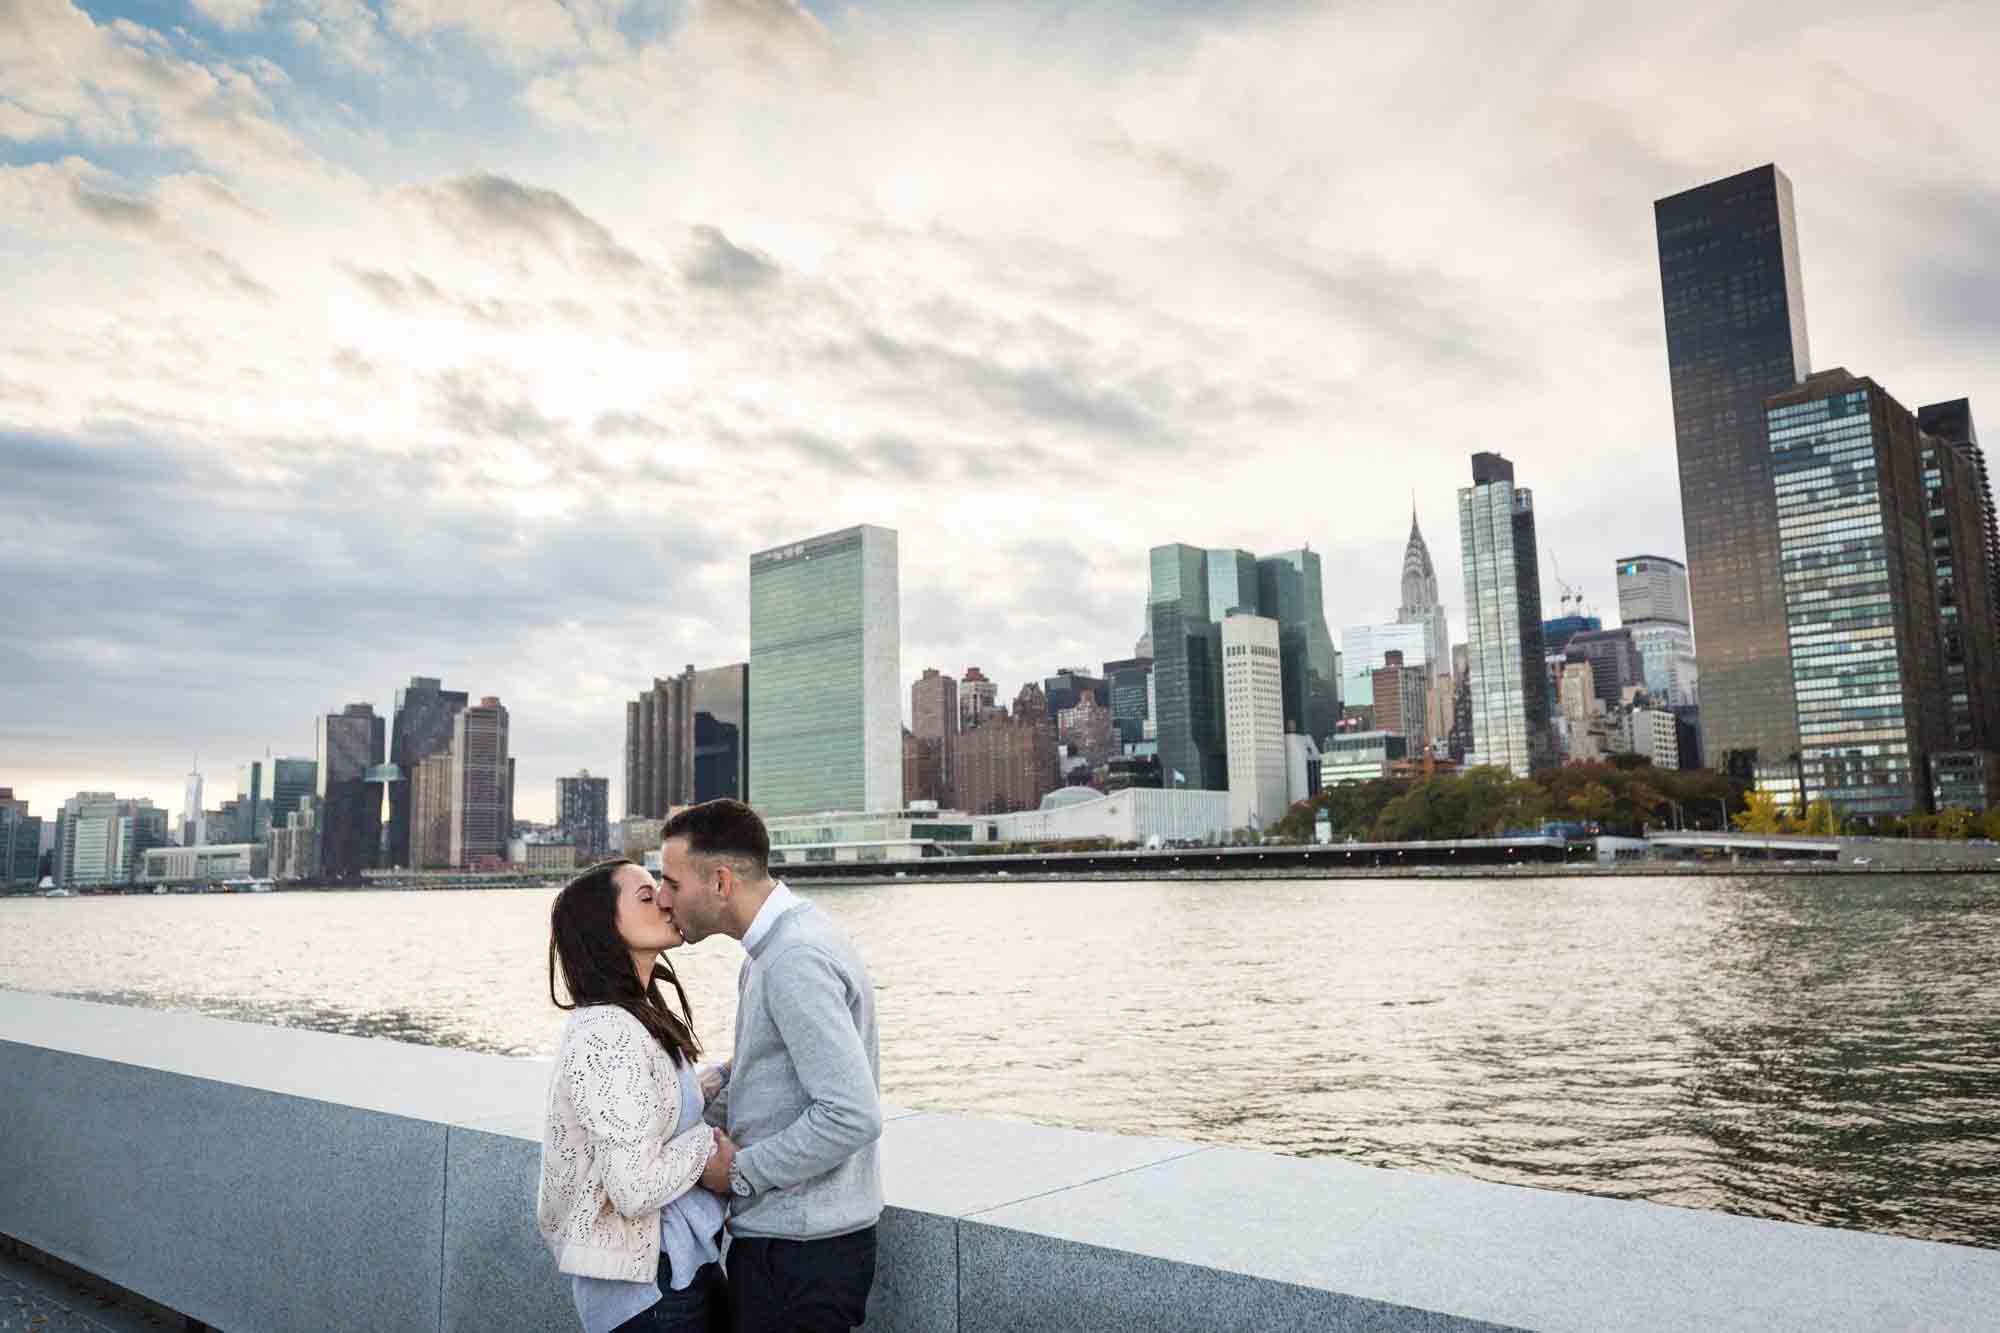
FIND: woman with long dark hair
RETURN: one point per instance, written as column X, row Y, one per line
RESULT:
column 625, row 1203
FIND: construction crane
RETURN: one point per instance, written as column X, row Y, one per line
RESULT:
column 1572, row 596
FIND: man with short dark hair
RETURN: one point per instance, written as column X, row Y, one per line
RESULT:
column 802, row 1097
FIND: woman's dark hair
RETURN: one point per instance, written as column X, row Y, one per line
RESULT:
column 597, row 968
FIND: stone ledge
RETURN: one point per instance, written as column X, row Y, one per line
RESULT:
column 268, row 1178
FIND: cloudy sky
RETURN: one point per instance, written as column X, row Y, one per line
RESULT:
column 344, row 340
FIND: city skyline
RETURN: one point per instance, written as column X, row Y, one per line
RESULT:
column 285, row 463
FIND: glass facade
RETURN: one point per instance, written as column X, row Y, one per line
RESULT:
column 1290, row 591
column 1232, row 582
column 1131, row 683
column 1507, row 673
column 347, row 745
column 1859, row 628
column 291, row 781
column 1187, row 670
column 1736, row 334
column 720, row 711
column 823, row 621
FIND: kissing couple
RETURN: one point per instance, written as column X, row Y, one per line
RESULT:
column 648, row 1156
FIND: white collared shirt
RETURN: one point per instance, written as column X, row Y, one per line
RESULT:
column 781, row 901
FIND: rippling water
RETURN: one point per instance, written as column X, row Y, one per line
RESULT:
column 1819, row 1050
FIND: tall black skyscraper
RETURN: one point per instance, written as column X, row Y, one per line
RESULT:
column 1736, row 335
column 424, row 713
column 346, row 746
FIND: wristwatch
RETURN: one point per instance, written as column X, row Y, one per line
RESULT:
column 737, row 1184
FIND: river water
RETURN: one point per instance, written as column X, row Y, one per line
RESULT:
column 1821, row 1050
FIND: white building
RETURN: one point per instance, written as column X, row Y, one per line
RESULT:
column 878, row 835
column 826, row 731
column 1136, row 815
column 1653, row 587
column 1253, row 714
column 1301, row 767
column 1653, row 733
column 204, row 865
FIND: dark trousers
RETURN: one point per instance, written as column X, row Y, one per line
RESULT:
column 800, row 1286
column 701, row 1307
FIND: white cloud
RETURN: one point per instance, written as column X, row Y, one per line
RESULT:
column 232, row 14
column 1038, row 290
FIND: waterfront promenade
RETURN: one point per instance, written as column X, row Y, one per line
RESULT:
column 262, row 1178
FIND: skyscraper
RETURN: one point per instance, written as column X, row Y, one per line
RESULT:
column 1960, row 520
column 192, row 816
column 424, row 713
column 431, row 805
column 252, row 789
column 1187, row 668
column 1652, row 588
column 1008, row 763
column 290, row 779
column 1399, row 696
column 1290, row 591
column 20, row 840
column 1503, row 619
column 1131, row 683
column 102, row 838
column 1254, row 709
column 1421, row 605
column 687, row 740
column 1232, row 581
column 1365, row 649
column 1860, row 595
column 977, row 696
column 1736, row 334
column 345, row 746
column 1653, row 604
column 482, row 783
column 934, row 731
column 825, row 650
column 583, row 814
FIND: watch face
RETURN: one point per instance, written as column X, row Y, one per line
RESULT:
column 739, row 1185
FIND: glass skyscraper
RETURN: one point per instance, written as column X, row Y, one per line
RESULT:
column 346, row 746
column 1736, row 334
column 1860, row 602
column 1290, row 591
column 1187, row 669
column 1503, row 619
column 825, row 671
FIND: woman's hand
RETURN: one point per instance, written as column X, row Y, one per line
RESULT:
column 715, row 1176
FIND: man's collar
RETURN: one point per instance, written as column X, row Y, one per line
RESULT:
column 780, row 901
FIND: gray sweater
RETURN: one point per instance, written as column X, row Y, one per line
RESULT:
column 803, row 1101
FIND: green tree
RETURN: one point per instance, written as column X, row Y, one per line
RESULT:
column 1760, row 814
column 1954, row 823
column 1595, row 803
column 1990, row 824
column 1822, row 819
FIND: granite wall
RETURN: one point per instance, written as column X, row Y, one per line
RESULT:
column 261, row 1178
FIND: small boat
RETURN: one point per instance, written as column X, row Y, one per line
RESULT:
column 59, row 893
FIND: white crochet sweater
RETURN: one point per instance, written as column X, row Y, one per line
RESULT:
column 610, row 1156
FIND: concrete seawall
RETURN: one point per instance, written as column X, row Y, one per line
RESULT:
column 269, row 1179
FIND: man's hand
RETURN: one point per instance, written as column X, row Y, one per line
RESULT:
column 711, row 1078
column 715, row 1176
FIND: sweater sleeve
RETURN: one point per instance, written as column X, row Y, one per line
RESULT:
column 807, row 999
column 611, row 1084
